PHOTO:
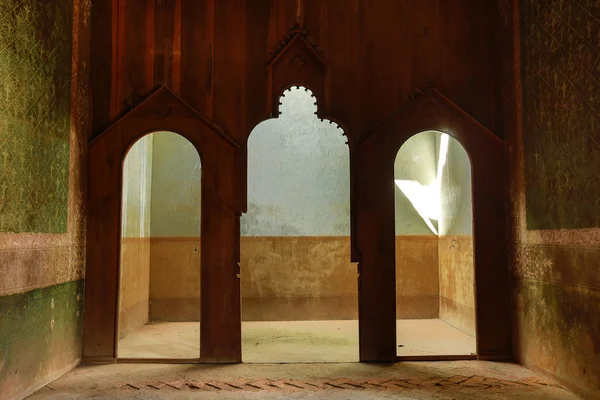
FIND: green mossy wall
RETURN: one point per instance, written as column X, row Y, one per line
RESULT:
column 40, row 335
column 35, row 101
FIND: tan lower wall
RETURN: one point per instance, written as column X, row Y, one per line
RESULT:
column 175, row 279
column 134, row 284
column 283, row 278
column 292, row 278
column 417, row 277
column 299, row 308
column 457, row 279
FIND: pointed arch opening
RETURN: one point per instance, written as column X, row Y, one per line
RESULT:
column 299, row 288
column 159, row 282
column 435, row 299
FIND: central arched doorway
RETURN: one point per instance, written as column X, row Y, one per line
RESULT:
column 299, row 289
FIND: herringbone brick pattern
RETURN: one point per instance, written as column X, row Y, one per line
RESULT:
column 442, row 380
column 433, row 384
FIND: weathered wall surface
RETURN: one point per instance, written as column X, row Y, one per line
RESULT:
column 457, row 296
column 455, row 245
column 417, row 277
column 298, row 174
column 40, row 335
column 43, row 130
column 35, row 77
column 554, row 155
column 175, row 279
column 135, row 243
column 298, row 278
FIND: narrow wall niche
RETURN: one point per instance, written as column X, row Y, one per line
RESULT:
column 159, row 296
column 299, row 288
column 435, row 297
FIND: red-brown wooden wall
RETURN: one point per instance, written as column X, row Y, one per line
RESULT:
column 378, row 54
column 213, row 54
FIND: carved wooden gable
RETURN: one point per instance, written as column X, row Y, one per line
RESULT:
column 297, row 61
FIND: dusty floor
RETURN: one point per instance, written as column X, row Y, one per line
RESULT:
column 405, row 380
column 296, row 341
column 420, row 337
column 300, row 341
column 162, row 340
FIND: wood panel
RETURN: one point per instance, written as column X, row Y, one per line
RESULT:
column 197, row 55
column 101, row 64
column 131, row 56
column 229, row 58
column 164, row 32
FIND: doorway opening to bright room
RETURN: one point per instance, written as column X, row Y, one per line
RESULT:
column 299, row 288
column 435, row 299
column 159, row 285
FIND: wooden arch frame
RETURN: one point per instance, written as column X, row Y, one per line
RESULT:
column 164, row 111
column 430, row 111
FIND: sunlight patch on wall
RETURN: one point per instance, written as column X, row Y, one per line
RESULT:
column 426, row 199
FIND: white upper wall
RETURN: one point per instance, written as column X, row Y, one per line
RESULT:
column 457, row 209
column 176, row 186
column 298, row 174
column 137, row 184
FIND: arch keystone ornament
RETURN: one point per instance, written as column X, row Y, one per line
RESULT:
column 220, row 209
column 375, row 233
column 297, row 61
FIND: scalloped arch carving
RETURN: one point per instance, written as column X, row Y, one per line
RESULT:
column 297, row 61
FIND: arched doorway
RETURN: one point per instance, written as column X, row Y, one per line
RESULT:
column 299, row 289
column 159, row 282
column 375, row 190
column 163, row 111
column 435, row 300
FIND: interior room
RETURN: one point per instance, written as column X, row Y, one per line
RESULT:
column 299, row 288
column 435, row 300
column 159, row 293
column 299, row 199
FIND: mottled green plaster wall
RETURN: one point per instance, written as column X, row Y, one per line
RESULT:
column 40, row 335
column 35, row 85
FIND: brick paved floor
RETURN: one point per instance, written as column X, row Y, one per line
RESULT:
column 407, row 380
